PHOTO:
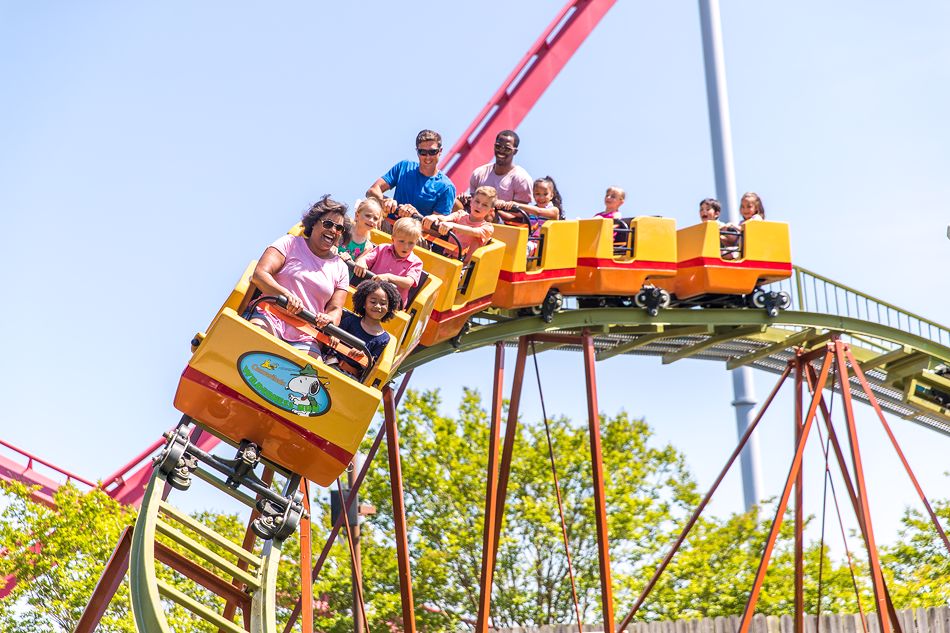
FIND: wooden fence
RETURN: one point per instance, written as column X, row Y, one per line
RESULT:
column 931, row 620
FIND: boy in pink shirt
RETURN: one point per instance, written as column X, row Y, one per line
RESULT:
column 472, row 228
column 396, row 263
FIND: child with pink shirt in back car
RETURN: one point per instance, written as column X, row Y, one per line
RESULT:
column 613, row 200
column 395, row 263
column 472, row 227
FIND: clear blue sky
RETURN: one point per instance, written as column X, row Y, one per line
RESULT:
column 148, row 152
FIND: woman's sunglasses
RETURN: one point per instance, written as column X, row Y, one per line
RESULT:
column 330, row 224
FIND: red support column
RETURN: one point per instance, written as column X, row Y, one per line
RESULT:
column 112, row 576
column 746, row 622
column 856, row 504
column 338, row 524
column 600, row 501
column 877, row 577
column 511, row 431
column 306, row 581
column 799, row 621
column 491, row 494
column 826, row 414
column 399, row 513
column 887, row 428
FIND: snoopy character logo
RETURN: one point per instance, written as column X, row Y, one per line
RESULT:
column 285, row 384
column 305, row 387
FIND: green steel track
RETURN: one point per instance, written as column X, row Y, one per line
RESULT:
column 890, row 357
column 190, row 545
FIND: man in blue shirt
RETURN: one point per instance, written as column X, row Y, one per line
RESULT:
column 419, row 184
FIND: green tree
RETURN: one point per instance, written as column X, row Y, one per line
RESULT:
column 917, row 566
column 77, row 538
column 55, row 582
column 713, row 572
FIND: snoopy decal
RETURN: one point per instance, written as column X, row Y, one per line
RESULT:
column 307, row 384
column 285, row 384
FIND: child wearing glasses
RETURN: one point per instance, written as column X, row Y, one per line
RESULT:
column 355, row 240
column 472, row 227
column 306, row 271
column 395, row 263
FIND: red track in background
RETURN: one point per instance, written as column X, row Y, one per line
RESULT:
column 524, row 86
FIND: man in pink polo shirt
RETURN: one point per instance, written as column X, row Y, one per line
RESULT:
column 511, row 182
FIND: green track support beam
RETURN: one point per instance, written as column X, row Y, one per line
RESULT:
column 696, row 348
column 646, row 339
column 789, row 341
column 883, row 359
column 206, row 554
column 197, row 608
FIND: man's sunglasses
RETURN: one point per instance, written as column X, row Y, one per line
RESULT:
column 428, row 152
column 504, row 148
column 330, row 224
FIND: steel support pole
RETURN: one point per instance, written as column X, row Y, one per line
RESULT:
column 600, row 499
column 491, row 494
column 721, row 136
column 399, row 513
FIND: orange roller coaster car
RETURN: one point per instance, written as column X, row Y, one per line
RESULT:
column 527, row 281
column 243, row 383
column 465, row 290
column 709, row 273
column 616, row 259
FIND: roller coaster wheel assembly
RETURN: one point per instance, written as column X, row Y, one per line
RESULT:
column 552, row 303
column 175, row 462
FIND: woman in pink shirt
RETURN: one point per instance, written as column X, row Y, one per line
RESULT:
column 307, row 271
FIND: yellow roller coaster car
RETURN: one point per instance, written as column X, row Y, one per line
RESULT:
column 616, row 258
column 527, row 280
column 707, row 269
column 465, row 290
column 243, row 383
